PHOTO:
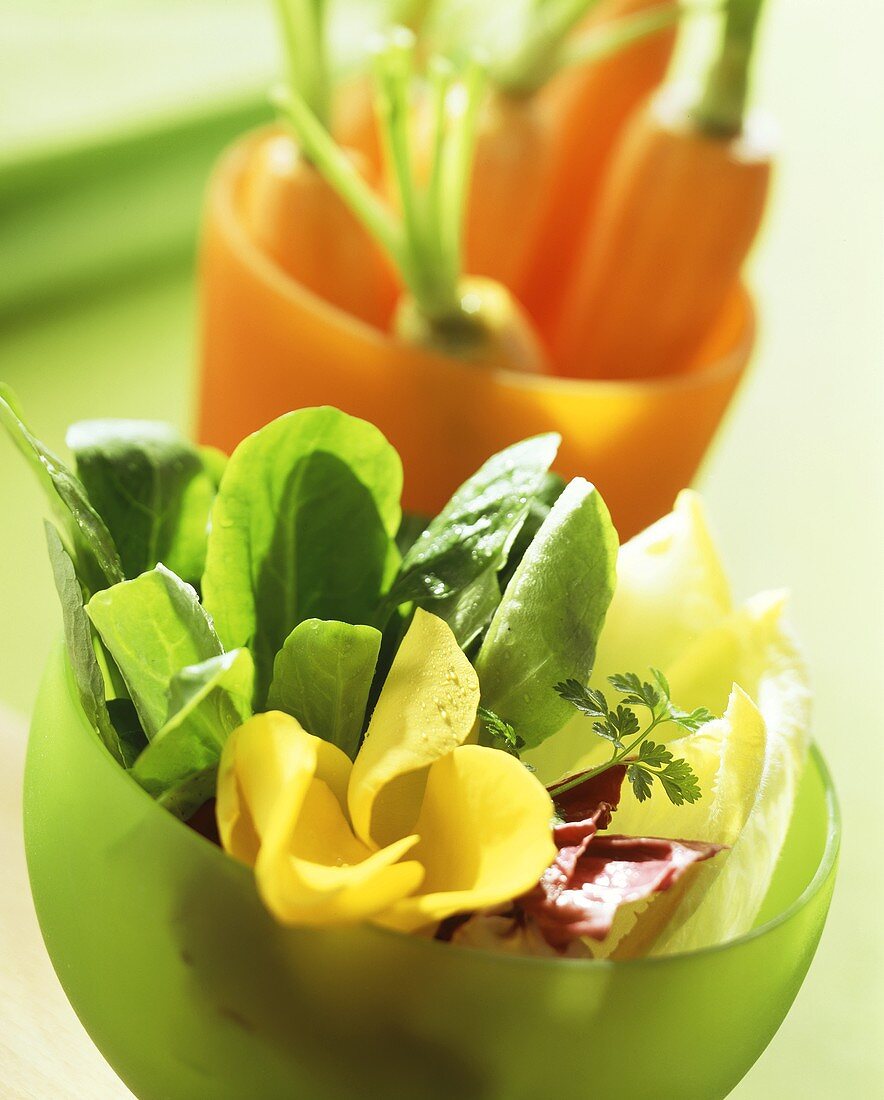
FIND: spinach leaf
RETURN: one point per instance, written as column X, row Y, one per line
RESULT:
column 80, row 647
column 551, row 614
column 153, row 627
column 214, row 463
column 87, row 538
column 451, row 568
column 125, row 719
column 302, row 527
column 411, row 528
column 207, row 702
column 152, row 490
column 545, row 497
column 322, row 676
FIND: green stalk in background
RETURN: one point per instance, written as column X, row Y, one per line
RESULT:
column 721, row 109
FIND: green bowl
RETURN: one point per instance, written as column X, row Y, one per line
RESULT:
column 191, row 991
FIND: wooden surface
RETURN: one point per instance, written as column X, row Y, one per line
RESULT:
column 44, row 1052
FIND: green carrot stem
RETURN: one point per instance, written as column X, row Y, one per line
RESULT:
column 721, row 109
column 304, row 33
column 534, row 60
column 422, row 236
column 610, row 38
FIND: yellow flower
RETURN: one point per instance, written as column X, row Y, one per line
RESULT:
column 421, row 826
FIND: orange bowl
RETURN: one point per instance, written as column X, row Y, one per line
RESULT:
column 267, row 345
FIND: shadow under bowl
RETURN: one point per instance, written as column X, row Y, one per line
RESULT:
column 191, row 990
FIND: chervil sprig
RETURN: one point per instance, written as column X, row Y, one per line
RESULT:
column 645, row 760
column 502, row 734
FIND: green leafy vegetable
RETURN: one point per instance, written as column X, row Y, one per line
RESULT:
column 551, row 614
column 78, row 638
column 411, row 528
column 322, row 676
column 622, row 728
column 207, row 702
column 153, row 627
column 451, row 569
column 152, row 490
column 88, row 540
column 126, row 722
column 302, row 527
column 551, row 488
column 214, row 463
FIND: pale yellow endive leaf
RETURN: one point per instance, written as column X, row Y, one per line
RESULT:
column 774, row 674
column 426, row 708
column 485, row 836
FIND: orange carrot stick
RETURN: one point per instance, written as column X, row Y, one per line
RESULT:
column 591, row 104
column 299, row 221
column 517, row 141
column 677, row 213
column 292, row 213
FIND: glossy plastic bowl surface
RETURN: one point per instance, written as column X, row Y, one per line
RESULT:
column 191, row 991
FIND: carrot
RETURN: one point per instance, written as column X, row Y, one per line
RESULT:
column 289, row 208
column 677, row 213
column 591, row 104
column 442, row 308
column 516, row 145
column 300, row 223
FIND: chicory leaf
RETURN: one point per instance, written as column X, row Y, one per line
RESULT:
column 153, row 626
column 450, row 569
column 549, row 619
column 80, row 647
column 322, row 676
column 302, row 527
column 152, row 490
column 88, row 540
column 207, row 703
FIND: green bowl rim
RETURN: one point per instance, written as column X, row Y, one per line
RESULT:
column 820, row 876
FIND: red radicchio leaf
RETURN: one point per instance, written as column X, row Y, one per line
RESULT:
column 581, row 892
column 588, row 807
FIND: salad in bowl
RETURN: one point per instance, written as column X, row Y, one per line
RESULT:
column 357, row 793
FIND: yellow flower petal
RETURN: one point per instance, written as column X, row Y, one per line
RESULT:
column 282, row 794
column 427, row 708
column 485, row 836
column 259, row 760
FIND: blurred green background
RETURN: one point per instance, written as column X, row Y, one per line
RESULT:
column 110, row 114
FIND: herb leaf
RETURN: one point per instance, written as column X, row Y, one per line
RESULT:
column 302, row 527
column 646, row 760
column 207, row 702
column 550, row 617
column 588, row 701
column 152, row 490
column 153, row 626
column 500, row 732
column 451, row 568
column 88, row 540
column 322, row 676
